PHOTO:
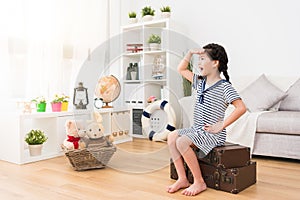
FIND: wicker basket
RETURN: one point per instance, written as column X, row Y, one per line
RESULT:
column 93, row 157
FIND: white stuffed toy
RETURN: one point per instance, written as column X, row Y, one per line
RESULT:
column 74, row 132
column 97, row 117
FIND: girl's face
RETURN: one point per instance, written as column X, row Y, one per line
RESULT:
column 206, row 65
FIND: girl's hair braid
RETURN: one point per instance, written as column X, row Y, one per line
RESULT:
column 217, row 52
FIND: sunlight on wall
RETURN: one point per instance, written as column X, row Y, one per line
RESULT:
column 44, row 44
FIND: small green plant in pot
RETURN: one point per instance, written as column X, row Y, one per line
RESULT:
column 147, row 13
column 165, row 11
column 154, row 42
column 35, row 140
column 132, row 14
column 132, row 17
column 40, row 103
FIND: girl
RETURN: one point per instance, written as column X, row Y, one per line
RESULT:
column 213, row 95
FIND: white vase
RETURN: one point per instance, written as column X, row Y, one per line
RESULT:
column 35, row 150
column 132, row 20
column 147, row 18
column 165, row 15
column 133, row 75
column 154, row 46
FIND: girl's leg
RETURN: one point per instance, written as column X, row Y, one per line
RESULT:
column 182, row 181
column 183, row 145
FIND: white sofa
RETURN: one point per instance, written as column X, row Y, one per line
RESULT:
column 278, row 130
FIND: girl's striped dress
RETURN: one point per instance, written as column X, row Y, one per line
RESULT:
column 210, row 107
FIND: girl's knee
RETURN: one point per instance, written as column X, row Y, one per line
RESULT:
column 172, row 136
column 182, row 144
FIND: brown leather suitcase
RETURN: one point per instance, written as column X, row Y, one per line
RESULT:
column 173, row 172
column 228, row 156
column 231, row 180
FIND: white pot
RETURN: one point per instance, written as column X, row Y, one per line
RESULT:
column 132, row 20
column 133, row 75
column 35, row 150
column 147, row 18
column 165, row 14
column 154, row 46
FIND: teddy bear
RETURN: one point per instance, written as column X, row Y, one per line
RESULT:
column 74, row 132
column 95, row 135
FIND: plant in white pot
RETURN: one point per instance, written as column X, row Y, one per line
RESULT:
column 35, row 140
column 165, row 11
column 147, row 13
column 132, row 17
column 154, row 42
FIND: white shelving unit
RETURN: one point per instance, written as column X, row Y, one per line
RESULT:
column 136, row 92
column 14, row 149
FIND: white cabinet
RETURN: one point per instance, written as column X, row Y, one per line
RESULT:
column 15, row 149
column 157, row 69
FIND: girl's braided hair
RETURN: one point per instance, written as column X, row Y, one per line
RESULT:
column 217, row 52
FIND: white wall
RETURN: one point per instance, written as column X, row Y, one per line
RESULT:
column 260, row 36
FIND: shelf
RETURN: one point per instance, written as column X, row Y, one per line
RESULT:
column 133, row 81
column 147, row 52
column 155, row 81
column 53, row 124
column 136, row 92
column 150, row 24
column 158, row 52
column 52, row 114
column 133, row 54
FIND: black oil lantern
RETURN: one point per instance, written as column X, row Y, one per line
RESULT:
column 80, row 98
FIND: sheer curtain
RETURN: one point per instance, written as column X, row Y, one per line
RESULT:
column 44, row 43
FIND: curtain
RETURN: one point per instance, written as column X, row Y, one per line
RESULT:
column 44, row 43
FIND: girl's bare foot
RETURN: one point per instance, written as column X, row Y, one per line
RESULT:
column 178, row 185
column 194, row 189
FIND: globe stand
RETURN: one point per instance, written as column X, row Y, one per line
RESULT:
column 106, row 105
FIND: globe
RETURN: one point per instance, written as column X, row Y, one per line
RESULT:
column 108, row 89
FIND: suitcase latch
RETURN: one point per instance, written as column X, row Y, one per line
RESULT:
column 217, row 179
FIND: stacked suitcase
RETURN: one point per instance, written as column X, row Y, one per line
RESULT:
column 227, row 168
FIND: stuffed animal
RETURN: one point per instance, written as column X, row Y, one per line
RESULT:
column 95, row 135
column 74, row 132
column 97, row 117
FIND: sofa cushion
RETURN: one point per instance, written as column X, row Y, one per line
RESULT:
column 261, row 95
column 282, row 122
column 292, row 101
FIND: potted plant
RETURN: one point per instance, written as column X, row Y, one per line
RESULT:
column 35, row 140
column 57, row 102
column 147, row 13
column 40, row 103
column 165, row 11
column 132, row 17
column 65, row 102
column 154, row 42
